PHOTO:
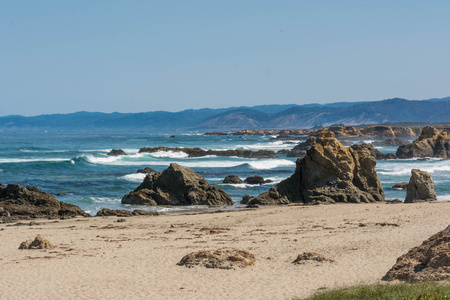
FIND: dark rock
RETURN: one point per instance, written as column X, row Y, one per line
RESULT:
column 198, row 152
column 395, row 201
column 312, row 256
column 283, row 151
column 38, row 243
column 246, row 199
column 392, row 142
column 328, row 173
column 121, row 220
column 252, row 206
column 431, row 143
column 254, row 180
column 220, row 259
column 146, row 170
column 420, row 187
column 430, row 261
column 105, row 212
column 60, row 194
column 177, row 186
column 232, row 179
column 373, row 151
column 116, row 152
column 400, row 186
column 172, row 136
column 315, row 138
column 20, row 202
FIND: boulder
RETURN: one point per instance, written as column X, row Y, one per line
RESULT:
column 391, row 142
column 420, row 187
column 177, row 185
column 429, row 261
column 431, row 143
column 116, row 152
column 246, row 199
column 20, row 202
column 232, row 179
column 316, row 138
column 328, row 173
column 312, row 256
column 146, row 170
column 220, row 259
column 254, row 180
column 38, row 243
column 106, row 212
column 373, row 151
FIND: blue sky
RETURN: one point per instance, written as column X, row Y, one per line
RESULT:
column 65, row 56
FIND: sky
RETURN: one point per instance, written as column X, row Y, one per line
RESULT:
column 65, row 56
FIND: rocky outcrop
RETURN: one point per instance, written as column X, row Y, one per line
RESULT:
column 373, row 151
column 328, row 173
column 116, row 152
column 232, row 179
column 429, row 261
column 316, row 138
column 420, row 187
column 38, row 243
column 256, row 180
column 220, row 259
column 345, row 132
column 146, row 170
column 177, row 185
column 106, row 212
column 431, row 143
column 385, row 132
column 18, row 202
column 198, row 152
column 392, row 142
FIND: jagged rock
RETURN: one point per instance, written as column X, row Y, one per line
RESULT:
column 38, row 243
column 198, row 152
column 254, row 180
column 328, row 173
column 20, row 202
column 431, row 143
column 420, row 187
column 401, row 186
column 430, row 261
column 386, row 132
column 105, row 212
column 392, row 142
column 312, row 256
column 373, row 151
column 220, row 259
column 176, row 185
column 345, row 132
column 232, row 179
column 316, row 138
column 116, row 152
column 246, row 199
column 146, row 170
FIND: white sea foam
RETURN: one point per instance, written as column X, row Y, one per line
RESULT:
column 135, row 177
column 270, row 164
column 170, row 154
column 26, row 160
column 443, row 197
column 431, row 166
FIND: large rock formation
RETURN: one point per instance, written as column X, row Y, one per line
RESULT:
column 345, row 132
column 373, row 151
column 382, row 132
column 420, row 187
column 328, row 173
column 431, row 143
column 18, row 202
column 316, row 138
column 198, row 152
column 176, row 185
column 429, row 261
column 391, row 142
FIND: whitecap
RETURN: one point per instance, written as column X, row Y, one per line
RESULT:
column 270, row 164
column 170, row 154
column 135, row 177
column 26, row 160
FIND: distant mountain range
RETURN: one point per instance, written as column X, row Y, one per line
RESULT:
column 234, row 118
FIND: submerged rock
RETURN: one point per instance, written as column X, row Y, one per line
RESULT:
column 18, row 202
column 255, row 180
column 420, row 187
column 146, row 170
column 116, row 152
column 219, row 259
column 431, row 143
column 328, row 173
column 429, row 261
column 177, row 185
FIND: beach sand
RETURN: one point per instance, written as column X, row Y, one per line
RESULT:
column 100, row 258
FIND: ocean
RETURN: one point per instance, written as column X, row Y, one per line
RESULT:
column 76, row 164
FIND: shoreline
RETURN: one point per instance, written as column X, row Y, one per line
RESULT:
column 99, row 257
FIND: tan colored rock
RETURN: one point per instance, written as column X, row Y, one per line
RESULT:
column 38, row 243
column 429, row 261
column 312, row 256
column 420, row 187
column 219, row 259
column 431, row 143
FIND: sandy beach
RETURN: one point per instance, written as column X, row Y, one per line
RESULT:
column 100, row 258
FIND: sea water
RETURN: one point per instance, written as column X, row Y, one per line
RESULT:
column 76, row 164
